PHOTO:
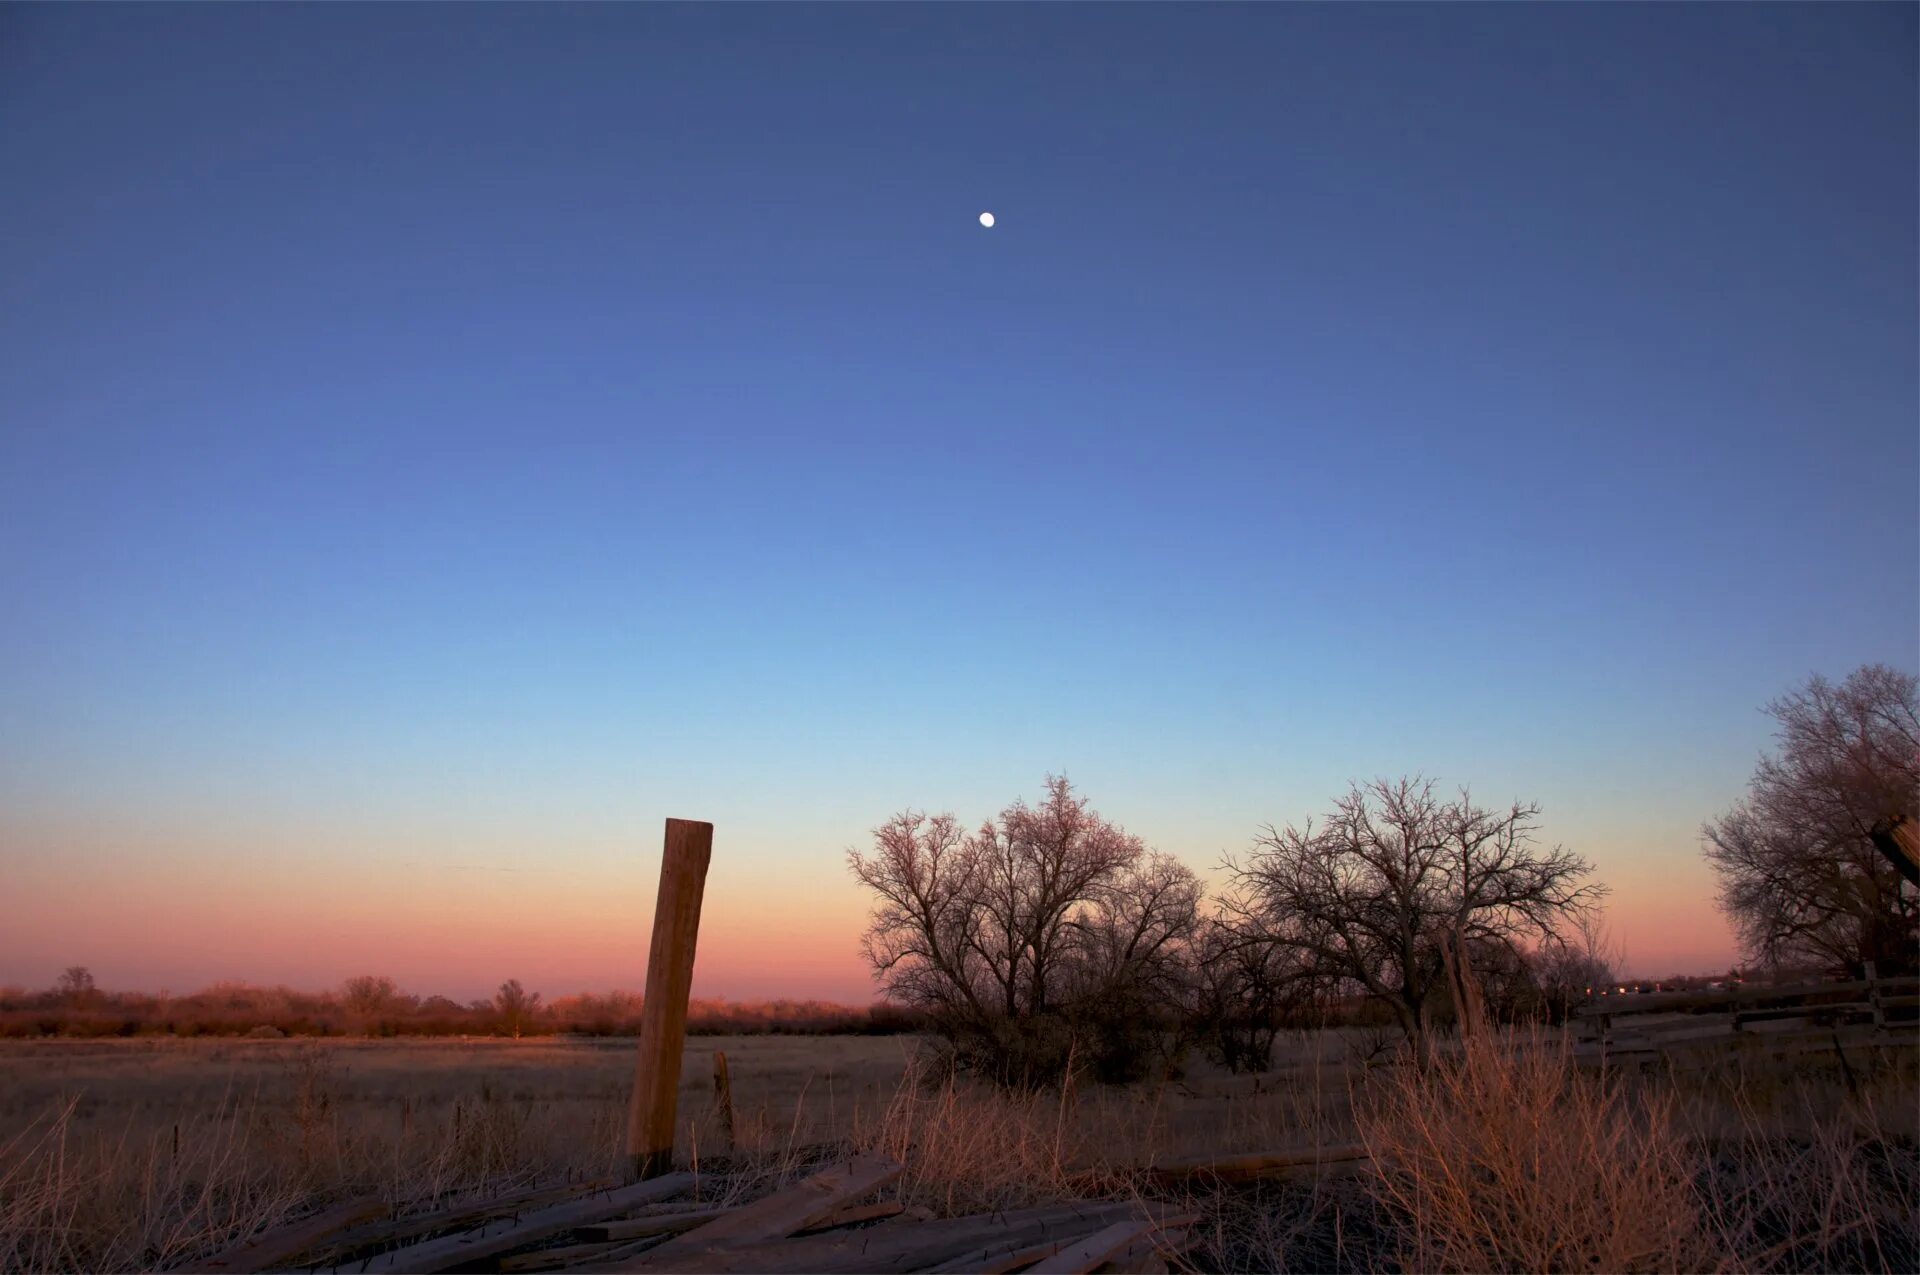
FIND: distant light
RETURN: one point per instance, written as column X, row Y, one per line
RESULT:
column 986, row 219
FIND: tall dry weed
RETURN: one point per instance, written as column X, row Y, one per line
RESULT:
column 969, row 1147
column 1505, row 1156
column 153, row 1196
column 1837, row 1188
column 140, row 1203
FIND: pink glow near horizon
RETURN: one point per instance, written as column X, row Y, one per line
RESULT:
column 764, row 935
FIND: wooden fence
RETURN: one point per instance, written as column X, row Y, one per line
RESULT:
column 1871, row 1010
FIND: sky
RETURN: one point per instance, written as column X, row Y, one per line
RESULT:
column 439, row 443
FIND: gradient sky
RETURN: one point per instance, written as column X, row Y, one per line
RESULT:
column 438, row 443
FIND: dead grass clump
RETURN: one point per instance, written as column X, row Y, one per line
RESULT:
column 140, row 1204
column 969, row 1147
column 1839, row 1190
column 79, row 1195
column 1507, row 1157
column 1331, row 1223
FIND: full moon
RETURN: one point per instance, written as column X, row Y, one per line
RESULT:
column 986, row 219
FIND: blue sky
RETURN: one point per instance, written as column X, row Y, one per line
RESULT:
column 438, row 443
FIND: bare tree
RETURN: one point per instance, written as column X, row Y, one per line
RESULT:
column 999, row 935
column 516, row 1005
column 1135, row 929
column 1395, row 873
column 1133, row 967
column 1572, row 972
column 368, row 996
column 75, row 985
column 1800, row 873
column 1037, row 865
column 922, row 941
column 1247, row 990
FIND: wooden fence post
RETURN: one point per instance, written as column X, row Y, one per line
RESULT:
column 723, row 1095
column 663, row 1016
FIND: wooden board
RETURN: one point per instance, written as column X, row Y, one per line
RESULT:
column 1082, row 1256
column 637, row 1228
column 897, row 1246
column 617, row 1257
column 786, row 1211
column 552, row 1259
column 999, row 1260
column 503, row 1237
column 1150, row 1256
column 674, row 1223
column 853, row 1215
column 1138, row 1260
column 285, row 1242
column 384, row 1235
column 1229, row 1169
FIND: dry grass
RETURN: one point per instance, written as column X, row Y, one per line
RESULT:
column 1801, row 1173
column 148, row 1155
column 1505, row 1156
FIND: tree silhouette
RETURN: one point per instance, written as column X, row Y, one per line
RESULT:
column 75, row 984
column 1045, row 922
column 1394, row 879
column 1800, row 874
column 516, row 1005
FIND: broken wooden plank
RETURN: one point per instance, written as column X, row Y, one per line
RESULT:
column 894, row 1245
column 999, row 1260
column 853, row 1215
column 794, row 1208
column 1149, row 1255
column 1137, row 1261
column 384, row 1235
column 286, row 1242
column 1225, row 1169
column 1082, row 1256
column 638, row 1228
column 496, row 1238
column 675, row 1223
column 618, row 1257
column 552, row 1259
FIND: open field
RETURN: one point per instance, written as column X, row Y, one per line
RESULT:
column 148, row 1153
column 374, row 1081
column 787, row 1091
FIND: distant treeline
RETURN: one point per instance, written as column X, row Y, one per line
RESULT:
column 375, row 1006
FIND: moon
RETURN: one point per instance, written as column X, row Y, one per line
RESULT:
column 986, row 219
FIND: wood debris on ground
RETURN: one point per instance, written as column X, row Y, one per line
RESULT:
column 824, row 1222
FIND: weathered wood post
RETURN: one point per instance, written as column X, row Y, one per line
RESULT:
column 1872, row 971
column 663, row 1017
column 723, row 1095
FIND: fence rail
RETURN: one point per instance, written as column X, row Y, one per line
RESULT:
column 1866, row 1011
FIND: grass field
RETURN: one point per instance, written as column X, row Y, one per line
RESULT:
column 374, row 1085
column 150, row 1153
column 788, row 1091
